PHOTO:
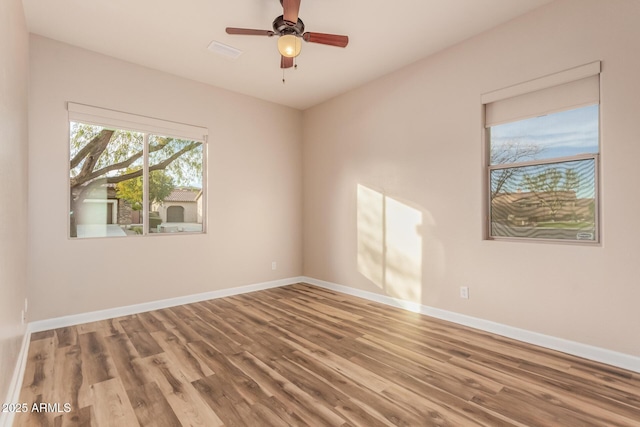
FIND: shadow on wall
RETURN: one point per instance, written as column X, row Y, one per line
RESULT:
column 390, row 244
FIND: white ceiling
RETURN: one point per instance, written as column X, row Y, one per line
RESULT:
column 173, row 36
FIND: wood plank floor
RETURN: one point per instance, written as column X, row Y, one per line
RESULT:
column 306, row 356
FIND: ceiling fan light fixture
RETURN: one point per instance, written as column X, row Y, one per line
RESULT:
column 289, row 45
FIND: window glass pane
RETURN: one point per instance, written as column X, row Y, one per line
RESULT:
column 105, row 181
column 549, row 201
column 175, row 185
column 563, row 134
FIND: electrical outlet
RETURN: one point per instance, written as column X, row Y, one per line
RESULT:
column 274, row 265
column 464, row 292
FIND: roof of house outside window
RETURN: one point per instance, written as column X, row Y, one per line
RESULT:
column 183, row 195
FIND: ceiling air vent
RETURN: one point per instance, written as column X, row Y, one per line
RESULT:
column 224, row 50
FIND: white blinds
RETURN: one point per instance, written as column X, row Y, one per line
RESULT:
column 566, row 90
column 120, row 120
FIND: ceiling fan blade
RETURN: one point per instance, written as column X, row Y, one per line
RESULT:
column 286, row 62
column 291, row 9
column 249, row 32
column 330, row 39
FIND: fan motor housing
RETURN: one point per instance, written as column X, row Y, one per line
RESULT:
column 282, row 27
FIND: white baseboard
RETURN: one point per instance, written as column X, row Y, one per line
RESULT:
column 586, row 351
column 94, row 316
column 13, row 395
column 609, row 357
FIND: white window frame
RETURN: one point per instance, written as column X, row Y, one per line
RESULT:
column 529, row 91
column 91, row 115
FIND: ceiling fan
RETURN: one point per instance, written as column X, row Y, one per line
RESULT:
column 290, row 29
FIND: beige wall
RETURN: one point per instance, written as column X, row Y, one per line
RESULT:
column 399, row 162
column 254, row 214
column 391, row 181
column 14, row 57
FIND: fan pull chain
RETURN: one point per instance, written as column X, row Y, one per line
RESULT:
column 295, row 67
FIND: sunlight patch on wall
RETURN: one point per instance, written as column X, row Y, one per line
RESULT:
column 370, row 219
column 389, row 244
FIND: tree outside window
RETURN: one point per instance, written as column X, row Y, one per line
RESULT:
column 543, row 176
column 108, row 169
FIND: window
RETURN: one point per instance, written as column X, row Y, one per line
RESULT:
column 133, row 176
column 542, row 158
